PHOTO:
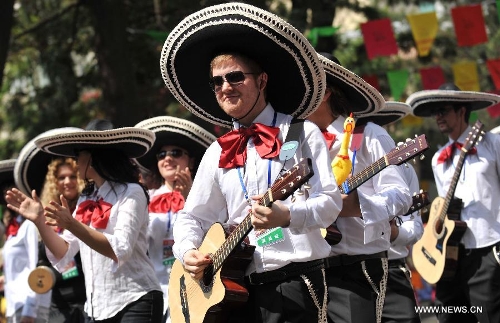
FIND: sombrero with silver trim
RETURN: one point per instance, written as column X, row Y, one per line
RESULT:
column 391, row 112
column 296, row 81
column 6, row 176
column 495, row 130
column 134, row 142
column 363, row 98
column 177, row 132
column 426, row 101
column 31, row 166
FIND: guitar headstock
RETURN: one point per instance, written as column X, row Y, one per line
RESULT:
column 408, row 150
column 290, row 181
column 475, row 135
column 420, row 201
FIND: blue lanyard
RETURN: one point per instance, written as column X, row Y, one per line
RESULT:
column 245, row 192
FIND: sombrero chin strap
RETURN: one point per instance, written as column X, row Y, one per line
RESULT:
column 253, row 106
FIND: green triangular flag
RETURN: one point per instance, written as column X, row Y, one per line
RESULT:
column 317, row 32
column 397, row 83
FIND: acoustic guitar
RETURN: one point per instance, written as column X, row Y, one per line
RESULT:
column 397, row 156
column 190, row 299
column 435, row 255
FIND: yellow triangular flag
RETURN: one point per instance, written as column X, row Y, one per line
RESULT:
column 465, row 76
column 424, row 27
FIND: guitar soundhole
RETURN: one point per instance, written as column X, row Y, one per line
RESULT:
column 439, row 227
column 207, row 281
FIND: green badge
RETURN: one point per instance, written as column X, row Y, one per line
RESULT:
column 270, row 237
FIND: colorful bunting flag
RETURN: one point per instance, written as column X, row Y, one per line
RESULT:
column 465, row 76
column 317, row 32
column 432, row 77
column 411, row 121
column 494, row 111
column 494, row 68
column 498, row 9
column 424, row 28
column 372, row 79
column 397, row 82
column 469, row 25
column 379, row 38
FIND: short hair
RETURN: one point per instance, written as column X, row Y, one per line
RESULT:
column 226, row 56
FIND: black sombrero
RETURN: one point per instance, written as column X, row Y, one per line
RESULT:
column 177, row 132
column 296, row 79
column 134, row 142
column 363, row 98
column 6, row 176
column 31, row 166
column 426, row 101
column 391, row 112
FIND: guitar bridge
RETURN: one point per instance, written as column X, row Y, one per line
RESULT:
column 428, row 256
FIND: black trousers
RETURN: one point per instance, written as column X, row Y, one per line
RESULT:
column 352, row 298
column 399, row 303
column 476, row 283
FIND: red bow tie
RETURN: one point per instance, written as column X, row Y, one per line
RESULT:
column 447, row 153
column 94, row 212
column 329, row 137
column 234, row 144
column 173, row 201
column 12, row 228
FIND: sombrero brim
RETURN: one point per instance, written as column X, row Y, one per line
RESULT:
column 391, row 112
column 363, row 98
column 423, row 103
column 495, row 130
column 176, row 132
column 134, row 142
column 296, row 79
column 31, row 166
column 6, row 176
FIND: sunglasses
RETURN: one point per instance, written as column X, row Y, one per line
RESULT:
column 174, row 153
column 441, row 112
column 233, row 78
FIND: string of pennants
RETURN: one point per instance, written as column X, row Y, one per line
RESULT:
column 470, row 30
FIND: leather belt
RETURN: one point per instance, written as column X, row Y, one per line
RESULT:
column 397, row 263
column 291, row 270
column 346, row 260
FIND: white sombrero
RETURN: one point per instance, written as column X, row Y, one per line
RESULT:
column 31, row 166
column 6, row 176
column 177, row 132
column 423, row 103
column 296, row 81
column 391, row 112
column 495, row 130
column 363, row 99
column 134, row 142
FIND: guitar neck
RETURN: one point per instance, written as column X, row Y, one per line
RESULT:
column 453, row 185
column 355, row 181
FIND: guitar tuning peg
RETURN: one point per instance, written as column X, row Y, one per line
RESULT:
column 293, row 198
column 422, row 157
column 299, row 193
column 307, row 186
column 400, row 143
column 421, row 191
column 408, row 139
column 406, row 165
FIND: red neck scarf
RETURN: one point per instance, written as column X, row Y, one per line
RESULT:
column 234, row 144
column 94, row 212
column 173, row 201
column 12, row 228
column 447, row 153
column 329, row 137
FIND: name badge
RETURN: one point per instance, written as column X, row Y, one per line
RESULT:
column 270, row 237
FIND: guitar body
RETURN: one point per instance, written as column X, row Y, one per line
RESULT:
column 435, row 255
column 194, row 301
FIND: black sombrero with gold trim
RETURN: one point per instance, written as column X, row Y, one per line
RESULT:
column 177, row 132
column 134, row 142
column 296, row 79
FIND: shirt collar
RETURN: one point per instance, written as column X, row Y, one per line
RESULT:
column 265, row 117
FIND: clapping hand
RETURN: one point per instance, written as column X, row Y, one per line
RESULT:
column 183, row 181
column 30, row 208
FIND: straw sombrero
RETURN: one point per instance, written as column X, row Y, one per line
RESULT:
column 363, row 98
column 134, row 142
column 31, row 166
column 296, row 81
column 391, row 112
column 6, row 176
column 177, row 132
column 424, row 102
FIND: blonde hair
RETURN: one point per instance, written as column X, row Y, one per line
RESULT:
column 49, row 190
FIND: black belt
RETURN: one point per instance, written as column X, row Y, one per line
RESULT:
column 291, row 270
column 397, row 263
column 345, row 260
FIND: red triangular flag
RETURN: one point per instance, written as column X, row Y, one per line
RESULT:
column 469, row 25
column 372, row 79
column 494, row 111
column 379, row 38
column 494, row 68
column 432, row 77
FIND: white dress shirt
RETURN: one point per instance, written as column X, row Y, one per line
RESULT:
column 161, row 239
column 381, row 198
column 110, row 285
column 20, row 257
column 217, row 196
column 412, row 228
column 478, row 186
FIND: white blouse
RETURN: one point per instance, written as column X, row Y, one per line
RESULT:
column 110, row 285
